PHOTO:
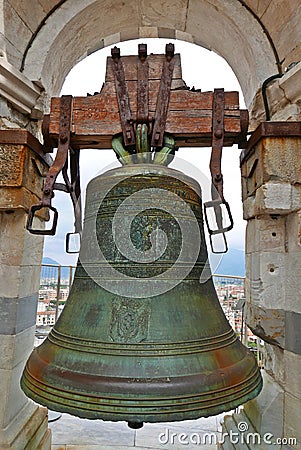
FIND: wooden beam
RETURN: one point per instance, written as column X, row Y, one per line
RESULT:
column 95, row 119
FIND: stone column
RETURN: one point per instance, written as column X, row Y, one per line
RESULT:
column 271, row 181
column 23, row 424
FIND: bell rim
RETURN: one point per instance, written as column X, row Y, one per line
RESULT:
column 111, row 404
column 156, row 411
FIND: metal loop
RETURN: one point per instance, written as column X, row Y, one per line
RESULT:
column 217, row 204
column 212, row 246
column 67, row 248
column 33, row 209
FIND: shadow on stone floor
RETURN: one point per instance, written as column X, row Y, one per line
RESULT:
column 73, row 433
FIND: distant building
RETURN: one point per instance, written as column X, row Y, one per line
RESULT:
column 64, row 292
column 45, row 318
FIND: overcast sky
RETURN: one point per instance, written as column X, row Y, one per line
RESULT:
column 202, row 69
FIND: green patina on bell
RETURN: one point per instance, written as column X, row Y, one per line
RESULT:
column 142, row 337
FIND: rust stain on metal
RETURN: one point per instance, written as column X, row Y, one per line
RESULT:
column 58, row 164
column 96, row 118
column 271, row 129
column 125, row 114
column 24, row 137
column 217, row 141
column 142, row 85
column 184, row 113
column 217, row 194
column 62, row 152
column 163, row 97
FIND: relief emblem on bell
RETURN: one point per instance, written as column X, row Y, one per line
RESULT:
column 129, row 320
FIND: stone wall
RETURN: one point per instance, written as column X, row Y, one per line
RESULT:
column 79, row 28
column 281, row 19
column 271, row 180
column 76, row 29
column 22, row 424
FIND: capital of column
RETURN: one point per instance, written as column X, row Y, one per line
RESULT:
column 22, row 93
column 23, row 165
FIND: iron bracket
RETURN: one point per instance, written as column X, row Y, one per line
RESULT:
column 126, row 119
column 73, row 188
column 54, row 170
column 216, row 204
column 163, row 97
column 125, row 114
column 60, row 164
column 142, row 85
column 217, row 193
column 217, row 141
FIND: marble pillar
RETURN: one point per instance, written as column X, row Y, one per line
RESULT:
column 23, row 424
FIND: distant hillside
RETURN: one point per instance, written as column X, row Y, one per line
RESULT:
column 47, row 260
column 232, row 263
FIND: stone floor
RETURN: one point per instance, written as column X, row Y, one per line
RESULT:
column 72, row 433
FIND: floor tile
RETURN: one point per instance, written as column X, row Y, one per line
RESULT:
column 109, row 447
column 104, row 447
column 205, row 424
column 75, row 431
column 171, row 437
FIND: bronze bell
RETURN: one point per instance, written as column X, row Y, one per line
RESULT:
column 142, row 337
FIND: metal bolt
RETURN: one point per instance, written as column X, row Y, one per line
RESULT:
column 169, row 51
column 218, row 134
column 63, row 138
column 142, row 51
column 115, row 52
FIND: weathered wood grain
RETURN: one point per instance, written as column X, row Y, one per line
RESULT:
column 95, row 119
column 155, row 67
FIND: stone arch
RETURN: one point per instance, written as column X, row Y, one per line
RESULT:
column 77, row 29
